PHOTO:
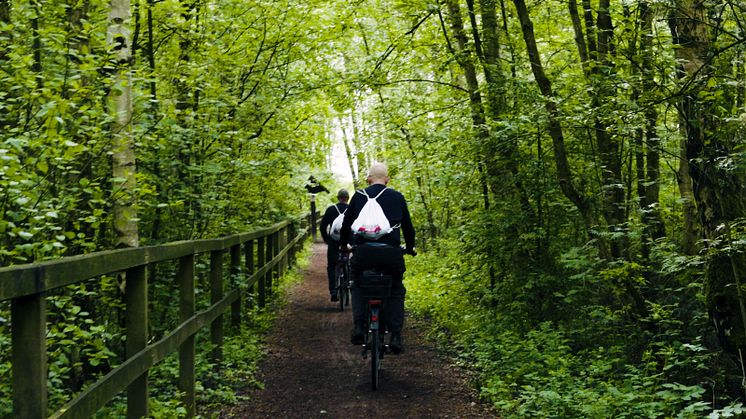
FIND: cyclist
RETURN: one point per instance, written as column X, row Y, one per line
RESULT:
column 389, row 258
column 332, row 250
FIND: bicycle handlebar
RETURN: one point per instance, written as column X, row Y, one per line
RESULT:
column 404, row 250
column 411, row 252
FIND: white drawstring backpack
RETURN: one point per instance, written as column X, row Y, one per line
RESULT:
column 371, row 223
column 335, row 228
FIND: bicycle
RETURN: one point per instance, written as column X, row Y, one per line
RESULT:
column 375, row 288
column 342, row 272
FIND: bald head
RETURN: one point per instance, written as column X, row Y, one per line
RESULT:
column 378, row 174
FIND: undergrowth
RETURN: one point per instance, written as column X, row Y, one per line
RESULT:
column 580, row 361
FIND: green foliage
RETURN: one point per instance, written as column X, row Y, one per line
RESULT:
column 236, row 103
column 236, row 156
column 591, row 361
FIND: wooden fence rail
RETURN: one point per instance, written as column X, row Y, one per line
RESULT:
column 27, row 285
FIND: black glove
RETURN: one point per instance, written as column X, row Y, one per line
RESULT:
column 409, row 251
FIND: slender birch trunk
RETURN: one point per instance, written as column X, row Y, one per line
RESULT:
column 124, row 169
column 348, row 151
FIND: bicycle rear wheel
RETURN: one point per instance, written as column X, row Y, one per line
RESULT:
column 375, row 360
column 343, row 285
column 339, row 283
column 344, row 297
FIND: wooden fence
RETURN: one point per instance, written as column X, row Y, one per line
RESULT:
column 266, row 253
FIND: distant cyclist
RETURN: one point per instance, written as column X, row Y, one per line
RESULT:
column 389, row 258
column 332, row 251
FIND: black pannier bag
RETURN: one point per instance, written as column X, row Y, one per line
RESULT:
column 379, row 257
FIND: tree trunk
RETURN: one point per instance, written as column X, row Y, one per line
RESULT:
column 479, row 122
column 6, row 36
column 6, row 39
column 155, row 232
column 635, row 54
column 590, row 30
column 691, row 231
column 718, row 189
column 348, row 151
column 37, row 47
column 493, row 73
column 184, row 104
column 36, row 66
column 564, row 173
column 652, row 218
column 609, row 148
column 595, row 50
column 511, row 47
column 740, row 76
column 123, row 143
column 464, row 59
column 578, row 30
column 360, row 155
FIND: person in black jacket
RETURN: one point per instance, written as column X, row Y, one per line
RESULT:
column 332, row 250
column 388, row 258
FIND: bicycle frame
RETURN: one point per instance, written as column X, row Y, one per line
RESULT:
column 374, row 340
column 377, row 289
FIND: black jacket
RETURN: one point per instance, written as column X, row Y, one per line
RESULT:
column 329, row 216
column 394, row 207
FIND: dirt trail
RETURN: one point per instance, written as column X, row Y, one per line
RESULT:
column 312, row 371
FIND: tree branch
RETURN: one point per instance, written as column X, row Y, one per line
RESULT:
column 420, row 81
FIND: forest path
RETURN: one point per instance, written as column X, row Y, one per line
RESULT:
column 312, row 371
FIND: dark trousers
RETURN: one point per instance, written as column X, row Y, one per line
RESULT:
column 386, row 259
column 332, row 254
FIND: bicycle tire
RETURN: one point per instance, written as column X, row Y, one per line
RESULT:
column 345, row 296
column 344, row 293
column 339, row 280
column 343, row 286
column 375, row 360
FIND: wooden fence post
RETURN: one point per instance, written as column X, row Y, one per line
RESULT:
column 291, row 237
column 270, row 256
column 29, row 356
column 284, row 242
column 281, row 262
column 136, row 303
column 261, row 261
column 304, row 227
column 278, row 247
column 249, row 263
column 235, row 281
column 216, row 294
column 312, row 220
column 185, row 278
